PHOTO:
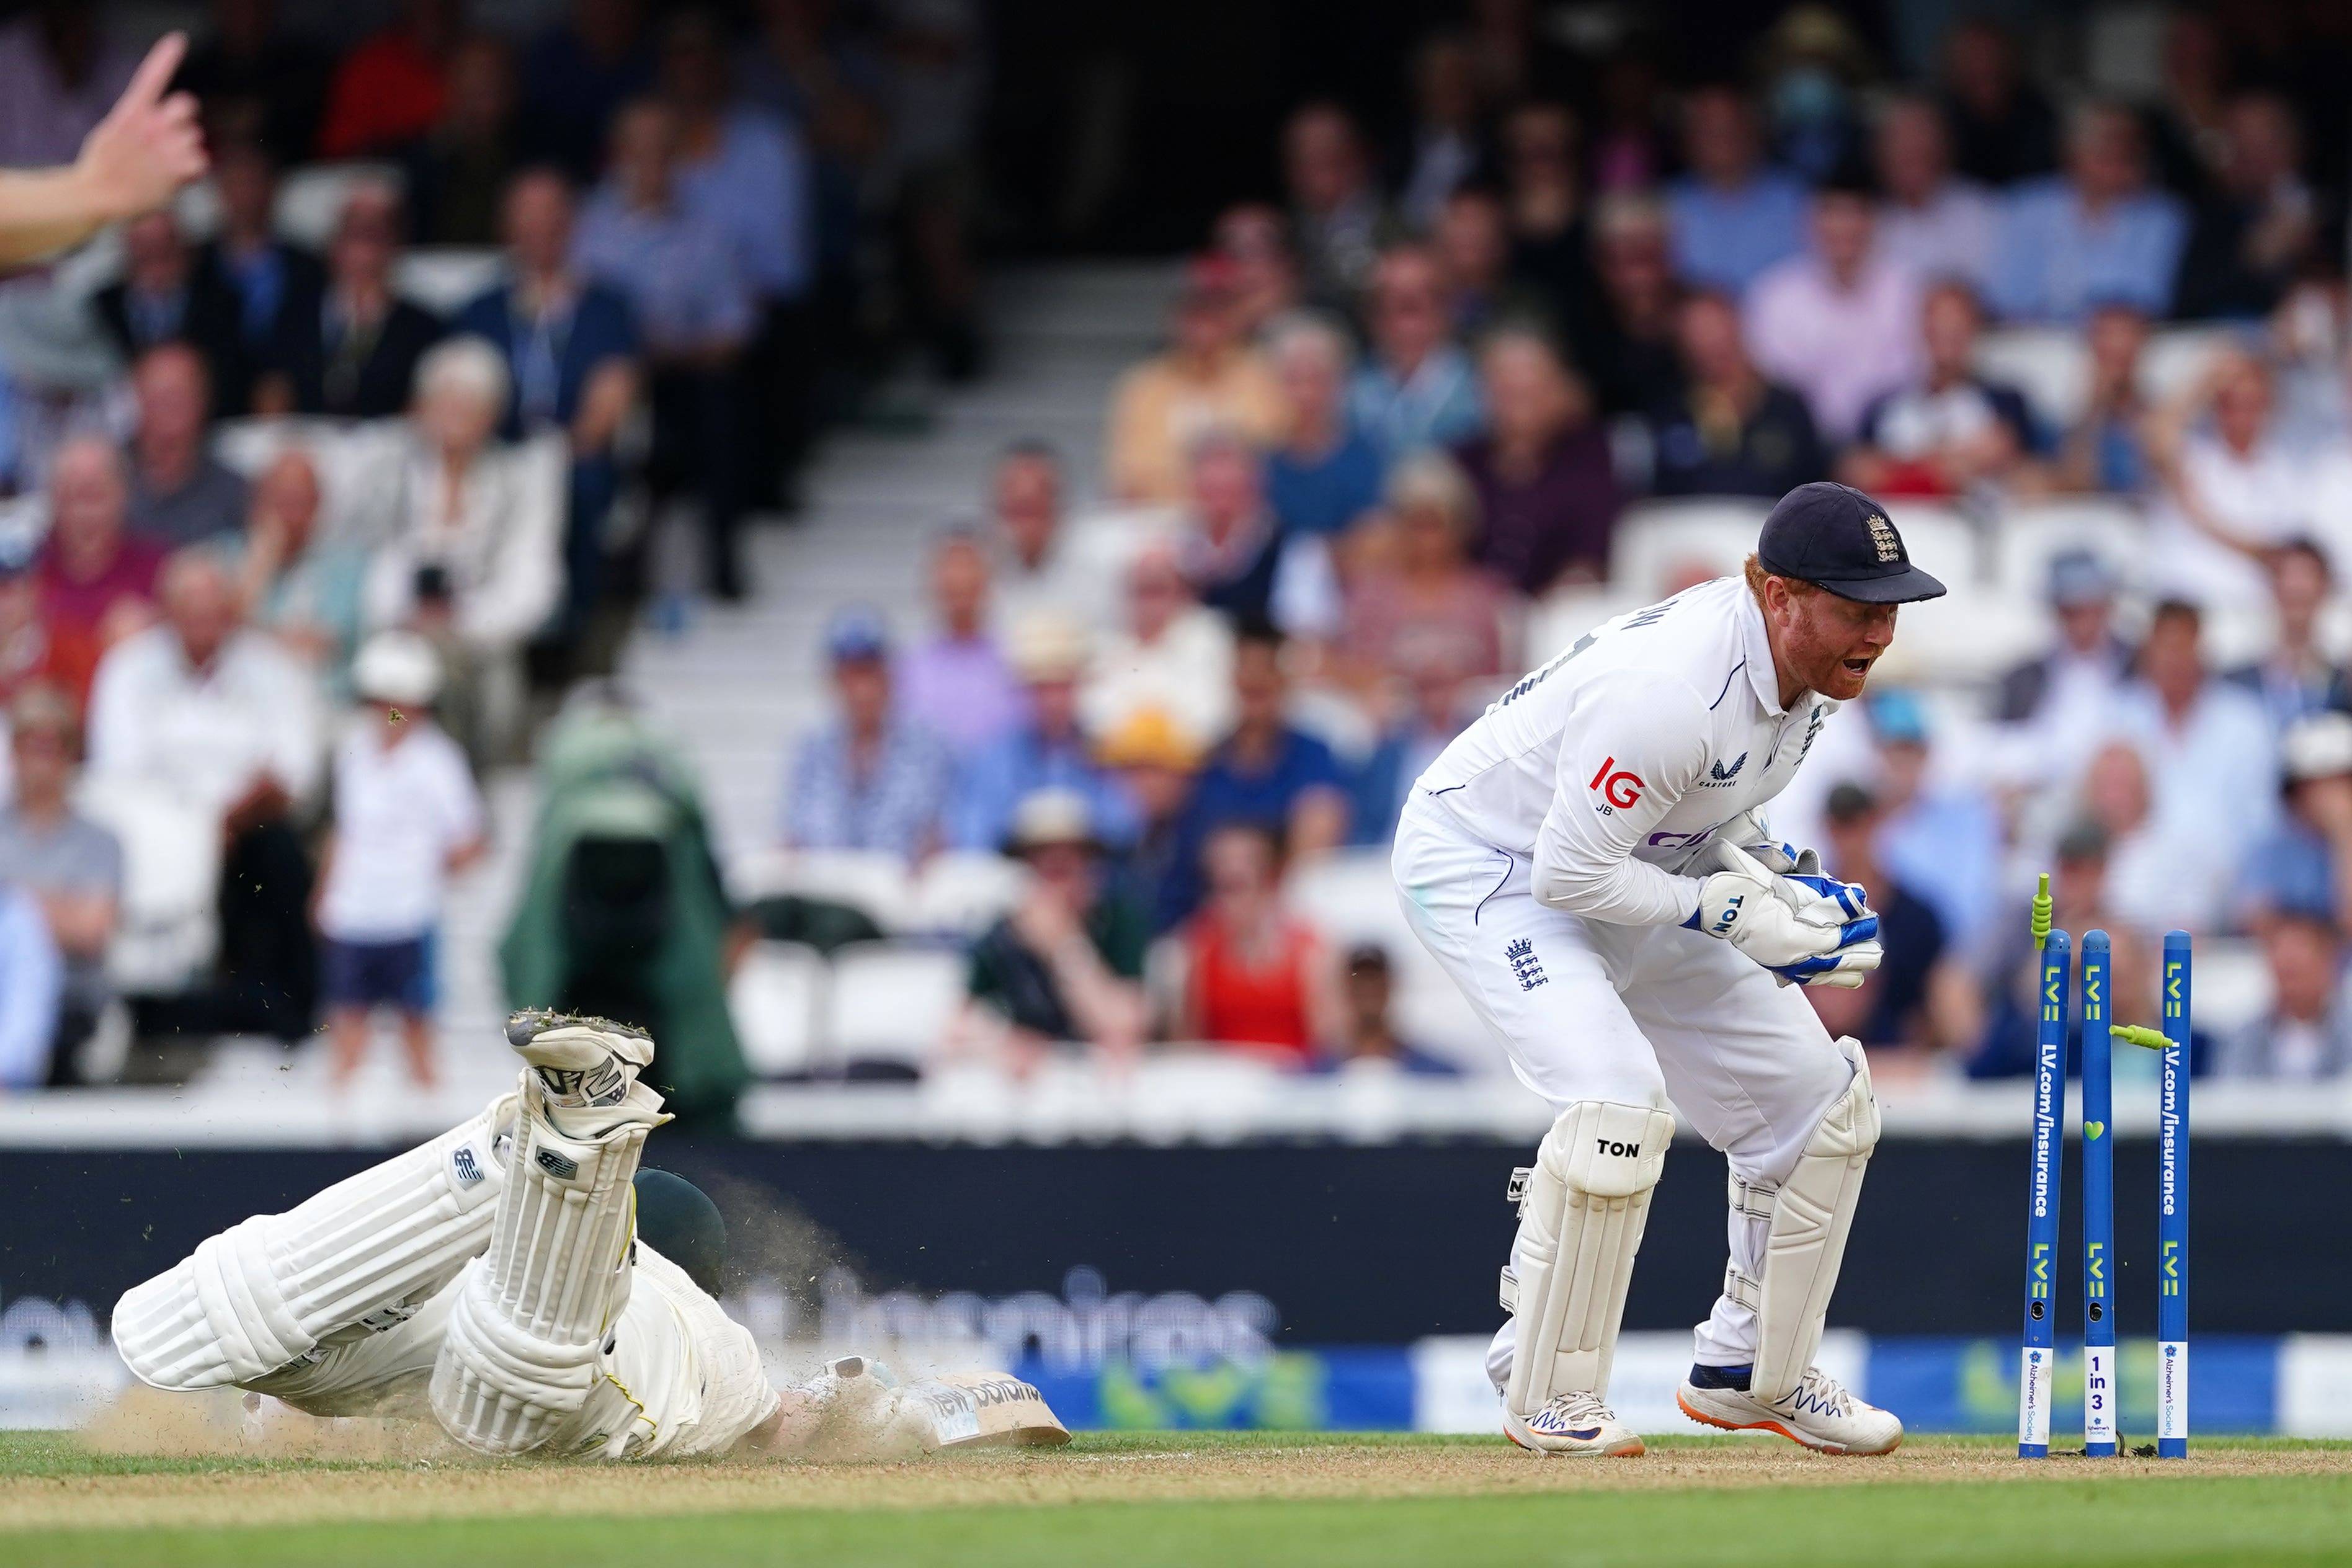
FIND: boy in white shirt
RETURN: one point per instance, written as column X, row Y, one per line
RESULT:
column 406, row 818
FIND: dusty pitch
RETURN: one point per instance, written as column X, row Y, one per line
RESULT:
column 360, row 1474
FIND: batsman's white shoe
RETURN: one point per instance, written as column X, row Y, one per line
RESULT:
column 1573, row 1424
column 1819, row 1414
column 585, row 1066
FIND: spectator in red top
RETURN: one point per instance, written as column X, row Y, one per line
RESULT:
column 1256, row 977
column 98, row 582
column 1547, row 493
column 391, row 88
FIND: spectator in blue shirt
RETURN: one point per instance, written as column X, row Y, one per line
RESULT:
column 1047, row 751
column 1324, row 476
column 745, row 170
column 1432, row 676
column 694, row 314
column 31, row 979
column 1732, row 217
column 570, row 353
column 2096, row 234
column 869, row 780
column 1418, row 388
column 273, row 279
column 1267, row 773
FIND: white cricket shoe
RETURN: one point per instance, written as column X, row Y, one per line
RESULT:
column 586, row 1068
column 1819, row 1414
column 1573, row 1424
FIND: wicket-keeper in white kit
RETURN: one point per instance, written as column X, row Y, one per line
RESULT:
column 1590, row 861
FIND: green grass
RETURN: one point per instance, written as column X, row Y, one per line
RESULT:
column 2139, row 1516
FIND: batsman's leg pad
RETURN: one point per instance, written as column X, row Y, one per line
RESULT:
column 1580, row 1218
column 1811, row 1210
column 266, row 1294
column 524, row 1352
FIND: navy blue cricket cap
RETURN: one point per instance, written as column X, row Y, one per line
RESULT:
column 1837, row 537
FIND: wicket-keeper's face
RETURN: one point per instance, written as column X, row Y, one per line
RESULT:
column 1830, row 643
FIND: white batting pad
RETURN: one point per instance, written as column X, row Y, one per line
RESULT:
column 1580, row 1221
column 261, row 1296
column 526, row 1328
column 1811, row 1212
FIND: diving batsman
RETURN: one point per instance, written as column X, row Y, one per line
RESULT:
column 1590, row 861
column 495, row 1280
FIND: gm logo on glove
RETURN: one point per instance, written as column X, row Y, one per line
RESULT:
column 1617, row 786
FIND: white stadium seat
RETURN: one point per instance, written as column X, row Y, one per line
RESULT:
column 1349, row 896
column 171, row 883
column 2029, row 533
column 963, row 892
column 1968, row 637
column 2233, row 984
column 2052, row 365
column 446, row 279
column 2048, row 364
column 892, row 1002
column 1659, row 544
column 310, row 198
column 1939, row 539
column 1555, row 621
column 872, row 881
column 776, row 997
column 2177, row 356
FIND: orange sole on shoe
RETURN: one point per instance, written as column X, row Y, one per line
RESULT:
column 1721, row 1425
column 1635, row 1452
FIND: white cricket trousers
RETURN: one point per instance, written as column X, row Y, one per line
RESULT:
column 1654, row 1015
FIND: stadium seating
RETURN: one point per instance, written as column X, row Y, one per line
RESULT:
column 1350, row 896
column 962, row 892
column 776, row 997
column 1661, row 545
column 873, row 881
column 2027, row 533
column 889, row 1006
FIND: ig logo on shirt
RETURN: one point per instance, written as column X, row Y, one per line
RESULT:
column 1618, row 788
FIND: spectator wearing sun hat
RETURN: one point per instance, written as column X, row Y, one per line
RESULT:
column 1048, row 751
column 406, row 818
column 1157, row 760
column 1065, row 965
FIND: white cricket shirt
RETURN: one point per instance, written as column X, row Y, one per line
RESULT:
column 1618, row 759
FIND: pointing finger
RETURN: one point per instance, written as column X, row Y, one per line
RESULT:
column 155, row 73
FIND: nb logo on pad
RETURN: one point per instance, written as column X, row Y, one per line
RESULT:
column 556, row 1165
column 468, row 1168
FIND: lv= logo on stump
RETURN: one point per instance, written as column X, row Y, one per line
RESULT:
column 2037, row 1393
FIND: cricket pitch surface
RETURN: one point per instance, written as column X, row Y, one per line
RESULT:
column 350, row 1499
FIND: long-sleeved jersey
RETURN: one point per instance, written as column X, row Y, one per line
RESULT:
column 1611, row 765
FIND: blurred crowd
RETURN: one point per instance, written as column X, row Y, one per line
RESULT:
column 313, row 522
column 314, row 515
column 1404, row 416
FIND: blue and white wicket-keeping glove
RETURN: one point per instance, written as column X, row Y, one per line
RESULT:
column 1807, row 929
